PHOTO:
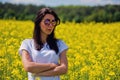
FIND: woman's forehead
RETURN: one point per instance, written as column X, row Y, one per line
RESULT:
column 49, row 16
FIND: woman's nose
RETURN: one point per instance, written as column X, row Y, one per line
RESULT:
column 50, row 25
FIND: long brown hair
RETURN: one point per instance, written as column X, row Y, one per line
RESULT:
column 51, row 40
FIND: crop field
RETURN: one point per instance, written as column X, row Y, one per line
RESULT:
column 94, row 49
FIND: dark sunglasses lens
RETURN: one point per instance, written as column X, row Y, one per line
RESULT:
column 54, row 22
column 47, row 21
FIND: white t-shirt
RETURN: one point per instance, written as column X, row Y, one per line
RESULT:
column 45, row 55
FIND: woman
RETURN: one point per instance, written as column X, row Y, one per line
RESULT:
column 44, row 56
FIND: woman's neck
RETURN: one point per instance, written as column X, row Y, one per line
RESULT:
column 44, row 38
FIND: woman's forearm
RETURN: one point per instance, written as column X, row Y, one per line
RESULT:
column 38, row 67
column 53, row 72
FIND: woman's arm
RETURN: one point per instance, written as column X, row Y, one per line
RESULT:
column 59, row 70
column 34, row 67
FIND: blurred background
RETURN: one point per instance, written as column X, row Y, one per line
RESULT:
column 68, row 10
column 90, row 28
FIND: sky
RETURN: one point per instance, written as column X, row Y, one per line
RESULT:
column 63, row 2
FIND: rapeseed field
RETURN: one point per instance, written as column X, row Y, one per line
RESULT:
column 94, row 49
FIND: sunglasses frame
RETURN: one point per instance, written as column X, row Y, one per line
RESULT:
column 47, row 22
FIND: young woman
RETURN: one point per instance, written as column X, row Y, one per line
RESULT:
column 44, row 56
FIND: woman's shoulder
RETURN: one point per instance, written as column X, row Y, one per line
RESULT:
column 61, row 45
column 27, row 41
column 60, row 42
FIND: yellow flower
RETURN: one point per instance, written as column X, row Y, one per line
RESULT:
column 111, row 73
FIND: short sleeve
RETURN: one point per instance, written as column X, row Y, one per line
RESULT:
column 24, row 45
column 62, row 46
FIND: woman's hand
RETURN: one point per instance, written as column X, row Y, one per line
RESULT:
column 54, row 65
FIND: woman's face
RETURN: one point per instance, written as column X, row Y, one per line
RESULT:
column 47, row 24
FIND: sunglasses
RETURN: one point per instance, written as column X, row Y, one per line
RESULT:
column 47, row 22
